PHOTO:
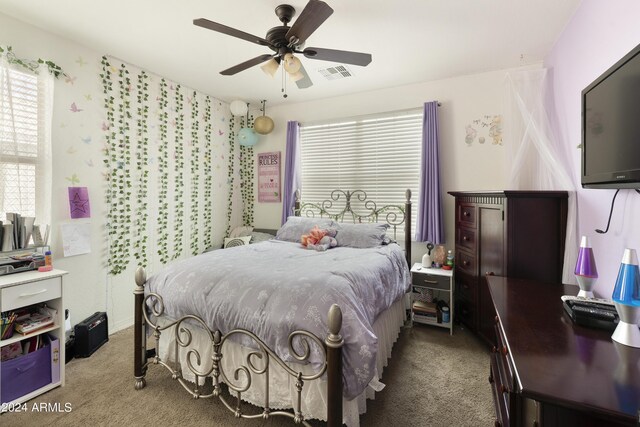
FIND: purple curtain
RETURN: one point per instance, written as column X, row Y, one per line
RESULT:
column 429, row 225
column 291, row 169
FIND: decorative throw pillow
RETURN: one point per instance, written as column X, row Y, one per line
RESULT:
column 230, row 242
column 257, row 237
column 297, row 226
column 361, row 235
column 241, row 231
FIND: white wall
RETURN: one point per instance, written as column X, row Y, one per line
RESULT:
column 598, row 35
column 78, row 142
column 463, row 167
column 86, row 286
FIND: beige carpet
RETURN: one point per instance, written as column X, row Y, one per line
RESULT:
column 432, row 380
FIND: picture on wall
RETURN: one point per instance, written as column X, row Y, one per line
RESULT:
column 269, row 177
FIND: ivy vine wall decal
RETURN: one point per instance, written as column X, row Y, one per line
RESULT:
column 166, row 154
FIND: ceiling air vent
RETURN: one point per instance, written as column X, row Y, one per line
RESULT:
column 334, row 73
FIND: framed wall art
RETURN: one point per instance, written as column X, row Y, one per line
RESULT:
column 269, row 177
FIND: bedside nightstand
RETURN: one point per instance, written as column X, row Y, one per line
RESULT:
column 438, row 280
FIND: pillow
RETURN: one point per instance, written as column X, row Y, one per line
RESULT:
column 230, row 242
column 296, row 226
column 241, row 231
column 362, row 235
column 257, row 237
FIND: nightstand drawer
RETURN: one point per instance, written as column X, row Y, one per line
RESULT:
column 431, row 281
column 17, row 296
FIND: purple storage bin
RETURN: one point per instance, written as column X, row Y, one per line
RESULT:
column 25, row 374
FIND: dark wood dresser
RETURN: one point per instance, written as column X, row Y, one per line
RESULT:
column 506, row 233
column 547, row 371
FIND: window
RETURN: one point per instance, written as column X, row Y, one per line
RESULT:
column 378, row 154
column 25, row 180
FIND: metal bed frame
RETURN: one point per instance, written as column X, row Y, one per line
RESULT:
column 258, row 360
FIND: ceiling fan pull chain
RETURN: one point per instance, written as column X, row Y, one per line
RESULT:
column 284, row 85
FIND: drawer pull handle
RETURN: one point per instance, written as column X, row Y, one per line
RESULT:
column 465, row 213
column 465, row 263
column 433, row 282
column 465, row 238
column 33, row 293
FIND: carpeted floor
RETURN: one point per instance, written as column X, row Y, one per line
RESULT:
column 432, row 380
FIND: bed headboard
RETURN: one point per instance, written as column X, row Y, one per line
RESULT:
column 339, row 208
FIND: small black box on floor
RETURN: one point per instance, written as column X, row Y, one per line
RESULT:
column 90, row 334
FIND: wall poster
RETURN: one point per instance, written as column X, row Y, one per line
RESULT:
column 269, row 177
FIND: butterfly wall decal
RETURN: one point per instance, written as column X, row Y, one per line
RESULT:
column 73, row 179
column 105, row 126
column 81, row 62
column 70, row 80
column 74, row 108
column 89, row 162
column 86, row 140
column 88, row 97
column 71, row 150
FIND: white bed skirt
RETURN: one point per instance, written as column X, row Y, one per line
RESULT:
column 282, row 391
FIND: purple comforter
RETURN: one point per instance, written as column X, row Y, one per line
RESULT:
column 274, row 287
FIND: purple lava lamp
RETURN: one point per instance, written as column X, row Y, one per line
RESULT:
column 586, row 271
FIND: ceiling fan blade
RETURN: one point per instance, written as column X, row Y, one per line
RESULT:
column 313, row 15
column 342, row 56
column 210, row 25
column 247, row 64
column 304, row 82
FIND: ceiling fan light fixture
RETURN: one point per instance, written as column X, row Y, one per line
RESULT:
column 270, row 67
column 238, row 107
column 291, row 63
column 296, row 76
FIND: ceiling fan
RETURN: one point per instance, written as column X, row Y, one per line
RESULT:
column 285, row 41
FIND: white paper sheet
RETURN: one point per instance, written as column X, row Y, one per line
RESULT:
column 76, row 238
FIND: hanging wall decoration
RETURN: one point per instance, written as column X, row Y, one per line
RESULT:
column 178, row 212
column 230, row 173
column 79, row 206
column 486, row 126
column 163, row 172
column 195, row 176
column 160, row 164
column 269, row 177
column 263, row 124
column 247, row 178
column 142, row 169
column 208, row 176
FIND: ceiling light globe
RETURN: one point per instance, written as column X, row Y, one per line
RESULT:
column 263, row 125
column 291, row 64
column 238, row 108
column 270, row 67
column 247, row 137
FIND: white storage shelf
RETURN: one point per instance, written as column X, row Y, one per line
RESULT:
column 438, row 280
column 28, row 288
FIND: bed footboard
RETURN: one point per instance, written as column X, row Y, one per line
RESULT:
column 256, row 363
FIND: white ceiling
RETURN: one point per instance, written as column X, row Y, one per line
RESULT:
column 410, row 40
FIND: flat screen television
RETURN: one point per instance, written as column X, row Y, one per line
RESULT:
column 611, row 126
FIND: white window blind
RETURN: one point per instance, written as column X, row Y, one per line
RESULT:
column 379, row 154
column 25, row 128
